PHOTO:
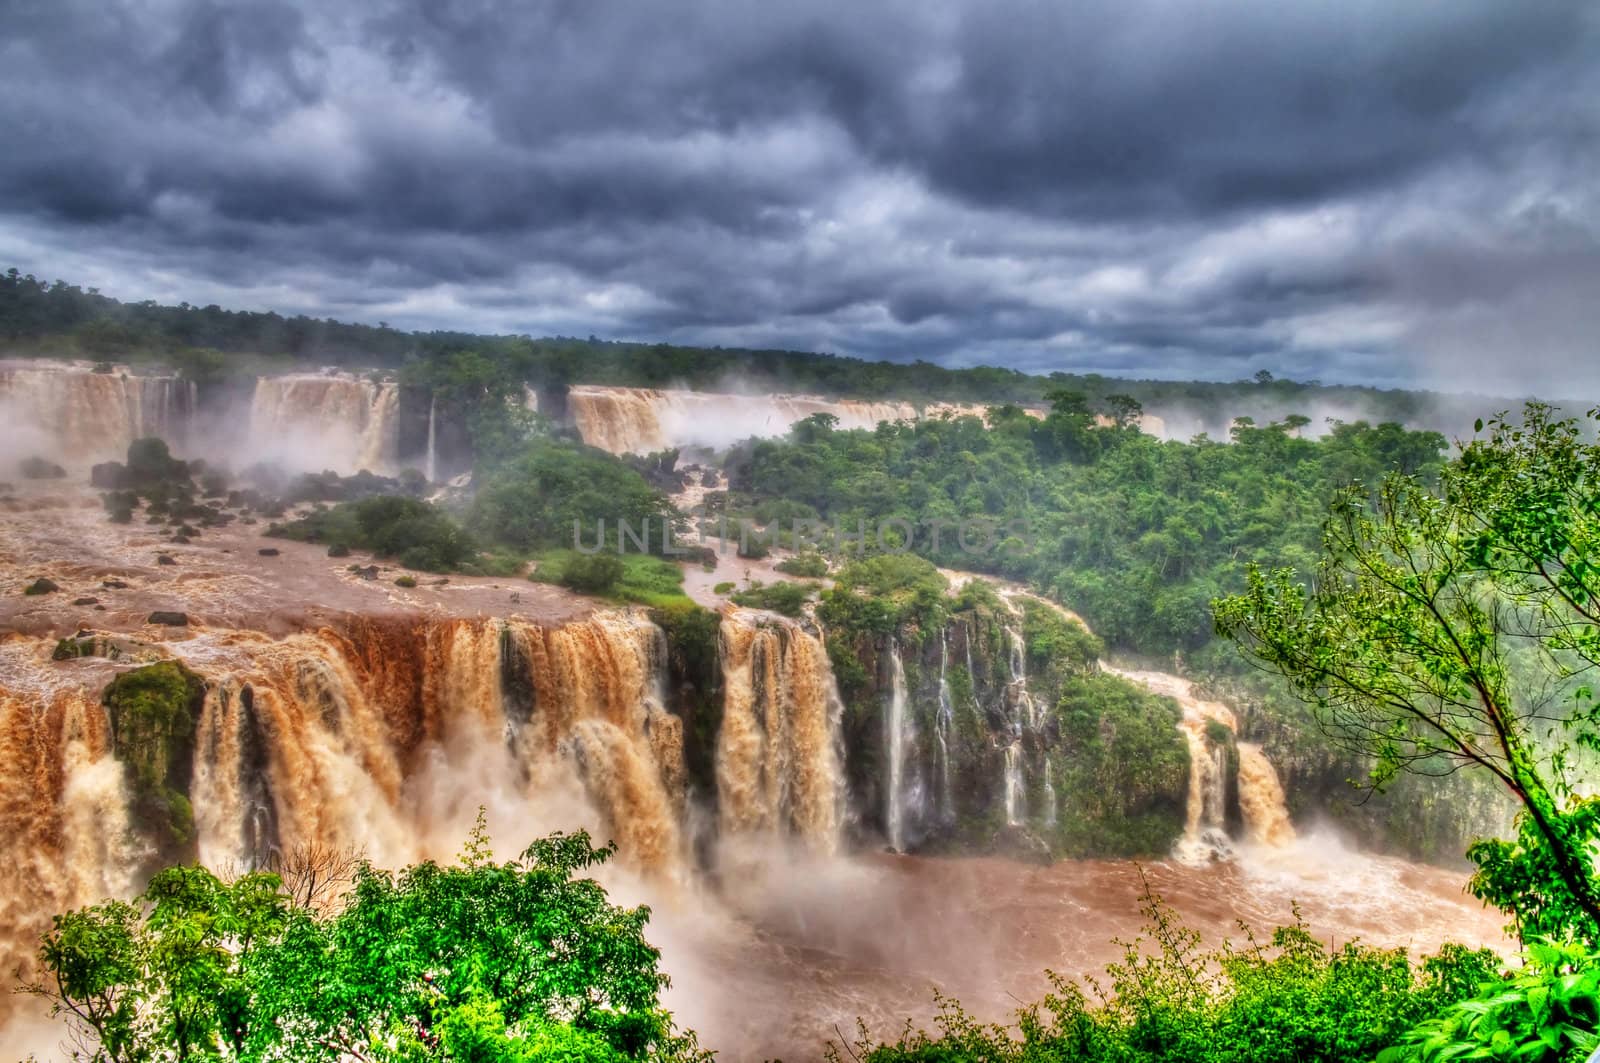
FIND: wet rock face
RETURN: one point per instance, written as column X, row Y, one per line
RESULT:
column 41, row 586
column 153, row 712
column 168, row 618
column 164, row 559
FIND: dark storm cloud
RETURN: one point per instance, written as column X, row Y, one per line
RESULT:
column 1355, row 190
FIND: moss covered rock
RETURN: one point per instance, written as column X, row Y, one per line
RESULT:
column 153, row 713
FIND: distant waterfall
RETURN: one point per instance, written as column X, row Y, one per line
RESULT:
column 432, row 470
column 75, row 413
column 317, row 421
column 641, row 420
column 1205, row 816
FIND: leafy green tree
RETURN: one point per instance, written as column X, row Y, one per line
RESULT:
column 481, row 961
column 167, row 978
column 557, row 494
column 1443, row 630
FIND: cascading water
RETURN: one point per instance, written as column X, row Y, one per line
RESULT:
column 326, row 420
column 1261, row 801
column 1014, row 785
column 63, row 814
column 1023, row 713
column 387, row 742
column 641, row 420
column 903, row 790
column 1050, row 804
column 1025, row 710
column 778, row 765
column 942, row 728
column 77, row 414
column 432, row 470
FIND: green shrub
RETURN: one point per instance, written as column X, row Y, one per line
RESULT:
column 1548, row 1013
column 405, row 581
column 806, row 566
column 781, row 597
column 416, row 533
column 480, row 961
column 556, row 494
column 725, row 587
column 592, row 573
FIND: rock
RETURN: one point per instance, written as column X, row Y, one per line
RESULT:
column 110, row 475
column 369, row 572
column 268, row 551
column 41, row 586
column 1020, row 843
column 168, row 619
column 113, row 585
column 154, row 712
column 86, row 601
column 37, row 468
column 338, row 550
column 163, row 559
column 88, row 644
column 180, row 540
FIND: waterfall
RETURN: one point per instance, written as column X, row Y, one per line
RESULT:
column 903, row 792
column 640, row 420
column 1050, row 810
column 1261, row 802
column 316, row 421
column 73, row 414
column 388, row 738
column 1204, row 830
column 942, row 728
column 1025, row 710
column 1014, row 785
column 778, row 764
column 432, row 470
column 63, row 811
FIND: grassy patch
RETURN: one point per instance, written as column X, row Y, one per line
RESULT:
column 644, row 579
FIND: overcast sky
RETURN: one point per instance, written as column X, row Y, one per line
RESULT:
column 1384, row 192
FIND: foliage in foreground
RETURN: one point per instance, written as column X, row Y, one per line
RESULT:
column 1290, row 1000
column 1549, row 1012
column 479, row 961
